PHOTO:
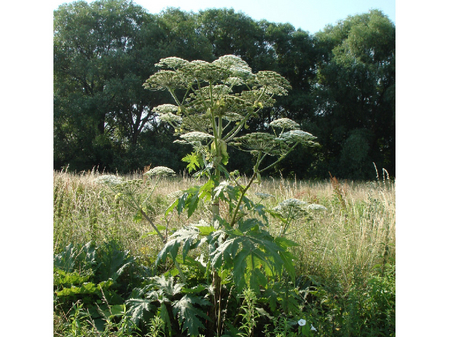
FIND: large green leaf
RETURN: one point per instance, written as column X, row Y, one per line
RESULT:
column 137, row 308
column 191, row 316
column 251, row 253
column 187, row 237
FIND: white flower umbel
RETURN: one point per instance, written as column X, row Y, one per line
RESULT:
column 233, row 63
column 284, row 123
column 294, row 136
column 161, row 171
column 170, row 118
column 291, row 208
column 302, row 322
column 259, row 142
column 232, row 117
column 196, row 136
column 273, row 83
column 292, row 202
column 316, row 207
column 165, row 108
column 162, row 80
column 171, row 62
column 233, row 80
column 109, row 179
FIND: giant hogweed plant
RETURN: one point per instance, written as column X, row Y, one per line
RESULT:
column 212, row 103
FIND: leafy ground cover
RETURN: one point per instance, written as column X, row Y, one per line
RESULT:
column 107, row 281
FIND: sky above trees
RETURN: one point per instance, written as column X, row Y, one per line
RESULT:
column 309, row 15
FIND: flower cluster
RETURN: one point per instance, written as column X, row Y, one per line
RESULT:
column 200, row 70
column 109, row 179
column 294, row 207
column 291, row 208
column 164, row 79
column 285, row 123
column 239, row 70
column 170, row 118
column 196, row 136
column 294, row 136
column 292, row 202
column 165, row 108
column 232, row 116
column 274, row 83
column 316, row 207
column 171, row 62
column 160, row 171
column 260, row 142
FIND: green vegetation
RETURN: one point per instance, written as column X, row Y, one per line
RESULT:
column 221, row 251
column 344, row 262
column 342, row 86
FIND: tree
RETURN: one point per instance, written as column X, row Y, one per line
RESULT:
column 356, row 91
column 101, row 58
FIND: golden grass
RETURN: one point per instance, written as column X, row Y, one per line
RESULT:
column 355, row 234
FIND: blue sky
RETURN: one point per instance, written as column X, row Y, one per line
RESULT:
column 309, row 15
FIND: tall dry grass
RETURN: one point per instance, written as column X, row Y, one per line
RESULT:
column 344, row 243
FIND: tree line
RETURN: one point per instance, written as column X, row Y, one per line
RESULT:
column 342, row 78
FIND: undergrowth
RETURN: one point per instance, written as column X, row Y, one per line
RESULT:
column 106, row 282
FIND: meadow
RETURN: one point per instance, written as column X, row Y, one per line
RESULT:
column 105, row 253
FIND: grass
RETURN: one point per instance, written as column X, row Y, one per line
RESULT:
column 342, row 248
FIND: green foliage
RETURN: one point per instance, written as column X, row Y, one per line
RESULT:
column 250, row 314
column 355, row 85
column 173, row 304
column 339, row 253
column 219, row 107
column 341, row 76
column 98, row 276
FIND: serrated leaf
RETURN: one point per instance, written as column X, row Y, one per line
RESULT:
column 137, row 308
column 187, row 236
column 248, row 224
column 225, row 252
column 191, row 315
column 192, row 202
column 171, row 247
column 194, row 161
column 285, row 243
